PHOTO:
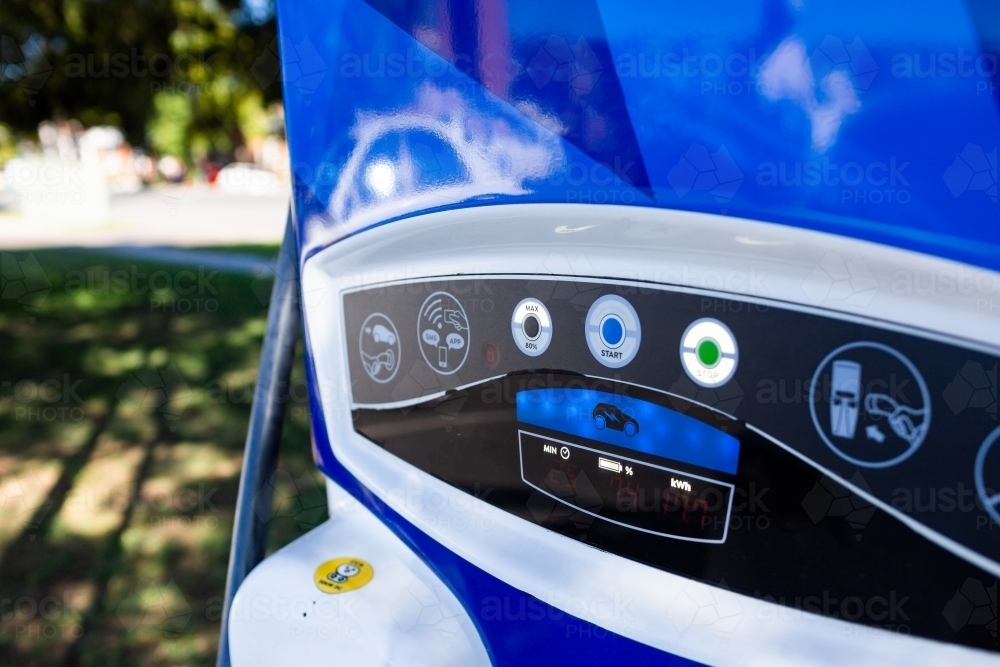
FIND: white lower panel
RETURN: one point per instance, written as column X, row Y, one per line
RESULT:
column 684, row 617
column 404, row 616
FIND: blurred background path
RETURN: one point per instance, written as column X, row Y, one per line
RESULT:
column 175, row 215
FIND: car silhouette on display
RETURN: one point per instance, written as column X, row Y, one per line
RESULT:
column 608, row 416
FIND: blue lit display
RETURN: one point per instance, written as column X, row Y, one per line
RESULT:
column 630, row 423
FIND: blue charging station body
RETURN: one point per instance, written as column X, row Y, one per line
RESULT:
column 643, row 333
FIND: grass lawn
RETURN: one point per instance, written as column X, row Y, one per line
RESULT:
column 125, row 390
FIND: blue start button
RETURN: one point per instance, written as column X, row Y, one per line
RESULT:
column 612, row 330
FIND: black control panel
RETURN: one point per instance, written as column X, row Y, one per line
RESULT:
column 780, row 452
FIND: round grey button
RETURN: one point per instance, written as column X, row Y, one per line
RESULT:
column 531, row 327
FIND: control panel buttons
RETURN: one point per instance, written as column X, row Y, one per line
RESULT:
column 531, row 327
column 613, row 331
column 709, row 352
column 869, row 404
column 443, row 332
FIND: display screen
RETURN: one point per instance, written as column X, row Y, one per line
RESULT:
column 669, row 499
column 638, row 495
column 631, row 423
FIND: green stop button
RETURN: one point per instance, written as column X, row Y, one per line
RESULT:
column 708, row 352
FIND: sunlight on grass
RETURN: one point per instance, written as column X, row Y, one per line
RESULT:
column 118, row 501
column 102, row 492
column 23, row 491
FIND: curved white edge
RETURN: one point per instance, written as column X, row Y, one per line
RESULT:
column 404, row 616
column 705, row 623
column 685, row 251
column 711, row 254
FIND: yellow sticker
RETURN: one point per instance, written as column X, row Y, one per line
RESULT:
column 343, row 574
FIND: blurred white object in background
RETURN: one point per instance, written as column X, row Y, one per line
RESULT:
column 65, row 192
column 171, row 168
column 105, row 149
column 70, row 182
column 240, row 178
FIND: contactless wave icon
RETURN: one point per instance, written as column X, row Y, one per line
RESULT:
column 443, row 330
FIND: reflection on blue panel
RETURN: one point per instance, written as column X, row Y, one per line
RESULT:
column 631, row 423
column 556, row 60
column 836, row 117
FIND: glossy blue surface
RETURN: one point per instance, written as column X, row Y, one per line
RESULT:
column 872, row 120
column 661, row 431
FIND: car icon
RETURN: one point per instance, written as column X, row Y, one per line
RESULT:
column 381, row 334
column 608, row 416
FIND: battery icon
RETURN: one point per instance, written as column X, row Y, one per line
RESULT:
column 608, row 464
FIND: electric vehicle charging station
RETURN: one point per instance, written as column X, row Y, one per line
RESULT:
column 634, row 333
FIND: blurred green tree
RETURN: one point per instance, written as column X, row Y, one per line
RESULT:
column 175, row 75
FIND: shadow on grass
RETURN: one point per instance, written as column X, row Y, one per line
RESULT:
column 125, row 390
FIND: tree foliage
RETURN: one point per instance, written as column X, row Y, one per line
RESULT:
column 175, row 75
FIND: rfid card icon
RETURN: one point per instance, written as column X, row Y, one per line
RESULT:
column 443, row 332
column 613, row 331
column 379, row 348
column 870, row 405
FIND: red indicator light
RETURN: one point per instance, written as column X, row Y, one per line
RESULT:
column 491, row 354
